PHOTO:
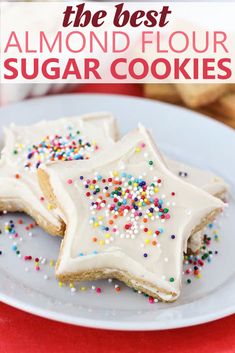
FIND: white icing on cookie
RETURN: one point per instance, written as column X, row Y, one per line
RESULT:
column 203, row 179
column 134, row 228
column 27, row 147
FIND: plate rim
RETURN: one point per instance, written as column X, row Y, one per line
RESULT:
column 114, row 325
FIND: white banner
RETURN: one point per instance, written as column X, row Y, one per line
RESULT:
column 93, row 42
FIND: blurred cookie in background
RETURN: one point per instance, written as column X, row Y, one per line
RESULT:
column 215, row 100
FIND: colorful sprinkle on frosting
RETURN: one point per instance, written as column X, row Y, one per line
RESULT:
column 69, row 146
column 124, row 196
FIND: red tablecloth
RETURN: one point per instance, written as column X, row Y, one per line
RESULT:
column 22, row 332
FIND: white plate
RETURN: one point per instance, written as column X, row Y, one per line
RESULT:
column 183, row 134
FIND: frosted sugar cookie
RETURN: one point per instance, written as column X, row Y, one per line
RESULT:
column 28, row 147
column 127, row 216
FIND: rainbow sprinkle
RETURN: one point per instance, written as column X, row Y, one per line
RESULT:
column 125, row 196
column 70, row 146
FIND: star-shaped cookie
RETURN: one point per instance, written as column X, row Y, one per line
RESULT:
column 127, row 216
column 28, row 147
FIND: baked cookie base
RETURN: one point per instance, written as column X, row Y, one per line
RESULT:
column 123, row 276
column 15, row 205
column 222, row 197
column 44, row 183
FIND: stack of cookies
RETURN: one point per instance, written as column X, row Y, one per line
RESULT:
column 216, row 100
column 122, row 209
